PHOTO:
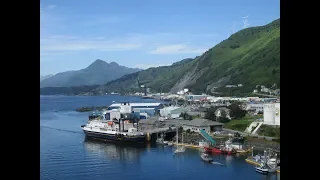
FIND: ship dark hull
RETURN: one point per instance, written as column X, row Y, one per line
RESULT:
column 115, row 138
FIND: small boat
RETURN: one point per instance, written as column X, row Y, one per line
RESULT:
column 159, row 141
column 242, row 151
column 170, row 143
column 262, row 169
column 180, row 150
column 205, row 157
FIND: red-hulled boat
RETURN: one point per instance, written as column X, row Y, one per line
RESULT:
column 222, row 150
column 212, row 150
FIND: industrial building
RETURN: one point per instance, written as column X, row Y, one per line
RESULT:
column 145, row 109
column 271, row 114
column 196, row 124
column 255, row 107
column 172, row 111
column 149, row 124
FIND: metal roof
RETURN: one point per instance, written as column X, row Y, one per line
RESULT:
column 136, row 104
column 202, row 122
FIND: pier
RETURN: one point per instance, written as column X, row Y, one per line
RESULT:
column 250, row 160
column 153, row 133
column 160, row 130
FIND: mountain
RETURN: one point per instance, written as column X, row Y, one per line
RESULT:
column 249, row 57
column 99, row 72
column 45, row 77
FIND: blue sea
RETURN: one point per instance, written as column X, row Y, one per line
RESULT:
column 65, row 153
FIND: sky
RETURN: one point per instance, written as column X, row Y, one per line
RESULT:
column 140, row 33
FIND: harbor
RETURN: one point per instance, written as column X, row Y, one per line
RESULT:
column 191, row 157
column 140, row 123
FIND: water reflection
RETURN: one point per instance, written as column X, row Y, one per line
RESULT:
column 120, row 152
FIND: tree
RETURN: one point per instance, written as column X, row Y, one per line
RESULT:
column 236, row 111
column 180, row 129
column 210, row 114
column 185, row 116
column 223, row 117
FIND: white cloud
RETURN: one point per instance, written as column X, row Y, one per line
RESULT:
column 146, row 66
column 177, row 49
column 53, row 20
column 63, row 43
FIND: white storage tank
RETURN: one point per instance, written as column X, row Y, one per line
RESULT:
column 277, row 113
column 269, row 114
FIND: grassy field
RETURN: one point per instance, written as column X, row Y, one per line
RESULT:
column 241, row 124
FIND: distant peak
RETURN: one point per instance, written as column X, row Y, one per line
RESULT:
column 98, row 60
column 113, row 64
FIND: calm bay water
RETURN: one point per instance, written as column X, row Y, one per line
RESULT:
column 65, row 153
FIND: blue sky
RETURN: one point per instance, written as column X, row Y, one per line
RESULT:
column 139, row 33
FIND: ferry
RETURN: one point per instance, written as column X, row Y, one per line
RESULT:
column 118, row 125
column 110, row 131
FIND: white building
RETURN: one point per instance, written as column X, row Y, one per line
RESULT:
column 166, row 112
column 271, row 114
column 173, row 112
column 257, row 107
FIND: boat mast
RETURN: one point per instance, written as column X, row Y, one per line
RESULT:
column 182, row 137
column 177, row 136
column 252, row 152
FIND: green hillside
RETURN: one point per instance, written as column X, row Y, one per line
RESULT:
column 248, row 57
column 158, row 79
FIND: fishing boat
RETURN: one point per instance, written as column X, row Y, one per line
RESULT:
column 180, row 149
column 267, row 164
column 228, row 150
column 212, row 149
column 205, row 157
column 235, row 142
column 230, row 147
column 262, row 169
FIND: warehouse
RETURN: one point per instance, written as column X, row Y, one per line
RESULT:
column 196, row 124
